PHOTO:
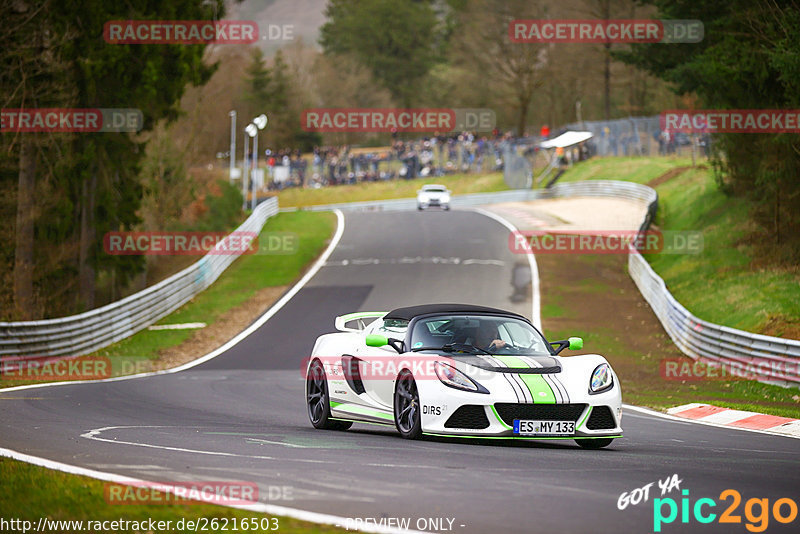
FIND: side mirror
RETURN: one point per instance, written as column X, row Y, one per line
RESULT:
column 377, row 340
column 575, row 343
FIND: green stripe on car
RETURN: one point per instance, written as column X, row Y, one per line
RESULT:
column 499, row 419
column 541, row 392
column 361, row 410
column 585, row 417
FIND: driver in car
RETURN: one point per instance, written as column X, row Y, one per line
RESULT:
column 487, row 337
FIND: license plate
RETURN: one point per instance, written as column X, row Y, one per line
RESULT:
column 526, row 427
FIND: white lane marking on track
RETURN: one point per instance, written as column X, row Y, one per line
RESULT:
column 291, row 445
column 179, row 326
column 536, row 311
column 653, row 413
column 484, row 262
column 127, row 466
column 94, row 434
column 269, row 509
column 295, row 513
column 233, row 341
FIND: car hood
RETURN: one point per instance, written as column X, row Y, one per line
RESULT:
column 538, row 364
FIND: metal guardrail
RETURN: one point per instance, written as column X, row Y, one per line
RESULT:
column 606, row 188
column 737, row 352
column 95, row 329
column 406, row 204
column 767, row 359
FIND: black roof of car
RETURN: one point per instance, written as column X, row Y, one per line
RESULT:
column 410, row 312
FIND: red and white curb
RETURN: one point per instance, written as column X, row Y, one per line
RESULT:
column 707, row 413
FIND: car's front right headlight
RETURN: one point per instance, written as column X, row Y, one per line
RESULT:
column 601, row 379
column 452, row 377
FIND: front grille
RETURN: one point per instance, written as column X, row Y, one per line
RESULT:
column 538, row 412
column 601, row 418
column 468, row 416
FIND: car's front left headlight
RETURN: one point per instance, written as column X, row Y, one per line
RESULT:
column 601, row 379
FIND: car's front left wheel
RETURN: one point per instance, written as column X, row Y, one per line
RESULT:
column 318, row 401
column 407, row 410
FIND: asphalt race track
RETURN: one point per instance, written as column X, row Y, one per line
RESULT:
column 242, row 416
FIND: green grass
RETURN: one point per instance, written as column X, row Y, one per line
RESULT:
column 238, row 283
column 554, row 310
column 720, row 284
column 255, row 271
column 459, row 184
column 235, row 286
column 29, row 492
column 724, row 284
column 631, row 169
column 645, row 386
column 635, row 169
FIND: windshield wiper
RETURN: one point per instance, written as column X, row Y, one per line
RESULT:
column 464, row 347
column 456, row 347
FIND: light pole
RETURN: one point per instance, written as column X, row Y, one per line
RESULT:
column 244, row 174
column 251, row 131
column 258, row 124
column 232, row 115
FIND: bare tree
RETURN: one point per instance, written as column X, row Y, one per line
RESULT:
column 608, row 10
column 483, row 44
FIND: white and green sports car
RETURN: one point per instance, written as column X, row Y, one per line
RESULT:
column 460, row 370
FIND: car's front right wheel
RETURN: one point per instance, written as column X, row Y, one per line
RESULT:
column 407, row 410
column 318, row 401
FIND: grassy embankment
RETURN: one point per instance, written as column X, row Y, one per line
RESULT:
column 727, row 283
column 30, row 492
column 234, row 289
column 459, row 184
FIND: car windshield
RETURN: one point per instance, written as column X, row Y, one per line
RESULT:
column 395, row 328
column 433, row 190
column 477, row 334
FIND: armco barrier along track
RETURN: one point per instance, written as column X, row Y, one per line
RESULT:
column 769, row 359
column 92, row 330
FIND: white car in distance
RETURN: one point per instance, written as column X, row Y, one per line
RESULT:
column 433, row 195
